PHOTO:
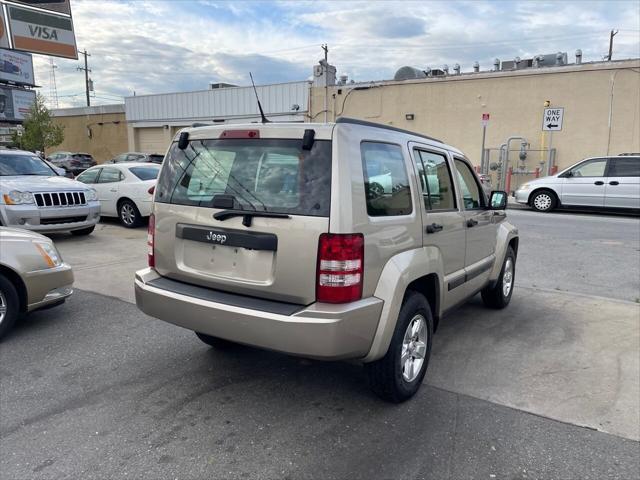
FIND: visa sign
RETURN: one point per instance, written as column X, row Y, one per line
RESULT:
column 40, row 32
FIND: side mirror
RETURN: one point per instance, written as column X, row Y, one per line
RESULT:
column 498, row 200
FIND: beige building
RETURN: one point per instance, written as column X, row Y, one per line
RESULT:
column 601, row 104
column 100, row 131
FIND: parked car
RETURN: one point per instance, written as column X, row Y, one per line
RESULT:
column 59, row 170
column 72, row 162
column 35, row 197
column 273, row 235
column 123, row 190
column 598, row 183
column 32, row 275
column 137, row 157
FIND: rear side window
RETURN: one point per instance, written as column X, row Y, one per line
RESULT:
column 386, row 182
column 269, row 175
column 145, row 173
column 624, row 167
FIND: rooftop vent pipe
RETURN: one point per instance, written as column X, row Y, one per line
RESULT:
column 456, row 69
column 496, row 64
column 578, row 56
column 476, row 67
column 559, row 58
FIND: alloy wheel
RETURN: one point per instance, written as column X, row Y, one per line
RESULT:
column 414, row 348
column 127, row 214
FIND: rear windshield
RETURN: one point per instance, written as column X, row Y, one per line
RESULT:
column 145, row 173
column 156, row 158
column 269, row 175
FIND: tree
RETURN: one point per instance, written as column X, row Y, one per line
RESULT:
column 39, row 130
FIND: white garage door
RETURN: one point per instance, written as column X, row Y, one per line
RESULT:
column 152, row 140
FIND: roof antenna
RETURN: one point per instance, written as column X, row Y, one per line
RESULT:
column 264, row 119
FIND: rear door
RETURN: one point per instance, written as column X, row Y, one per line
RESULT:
column 443, row 222
column 622, row 189
column 260, row 255
column 585, row 184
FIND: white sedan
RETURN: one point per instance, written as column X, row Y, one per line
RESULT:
column 124, row 191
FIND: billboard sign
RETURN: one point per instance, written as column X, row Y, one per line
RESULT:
column 16, row 67
column 15, row 103
column 60, row 6
column 39, row 32
column 4, row 34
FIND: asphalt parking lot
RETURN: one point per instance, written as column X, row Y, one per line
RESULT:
column 548, row 388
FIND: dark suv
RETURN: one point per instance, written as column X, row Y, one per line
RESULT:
column 137, row 157
column 72, row 162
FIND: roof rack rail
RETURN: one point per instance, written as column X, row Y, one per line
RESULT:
column 355, row 121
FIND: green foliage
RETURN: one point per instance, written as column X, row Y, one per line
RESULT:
column 40, row 131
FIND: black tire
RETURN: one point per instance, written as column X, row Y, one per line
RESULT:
column 544, row 201
column 10, row 302
column 386, row 374
column 215, row 342
column 129, row 214
column 83, row 231
column 494, row 296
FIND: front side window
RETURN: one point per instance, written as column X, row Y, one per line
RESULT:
column 386, row 181
column 109, row 175
column 472, row 198
column 625, row 167
column 89, row 176
column 24, row 165
column 590, row 168
column 436, row 181
column 269, row 175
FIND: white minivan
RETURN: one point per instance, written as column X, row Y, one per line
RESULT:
column 600, row 183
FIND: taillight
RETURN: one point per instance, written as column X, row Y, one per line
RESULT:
column 151, row 190
column 340, row 267
column 151, row 234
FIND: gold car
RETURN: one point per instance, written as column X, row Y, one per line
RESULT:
column 32, row 275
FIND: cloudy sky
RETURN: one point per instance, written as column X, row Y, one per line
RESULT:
column 154, row 46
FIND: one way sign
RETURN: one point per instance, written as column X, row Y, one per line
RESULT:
column 552, row 119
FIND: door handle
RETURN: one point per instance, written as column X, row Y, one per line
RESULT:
column 113, row 190
column 471, row 223
column 599, row 182
column 614, row 183
column 433, row 228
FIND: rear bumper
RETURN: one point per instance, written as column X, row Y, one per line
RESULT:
column 322, row 331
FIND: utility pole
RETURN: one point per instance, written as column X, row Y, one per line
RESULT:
column 611, row 35
column 86, row 75
column 326, row 81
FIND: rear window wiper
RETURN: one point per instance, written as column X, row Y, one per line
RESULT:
column 247, row 215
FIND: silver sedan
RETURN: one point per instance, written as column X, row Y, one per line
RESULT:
column 32, row 275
